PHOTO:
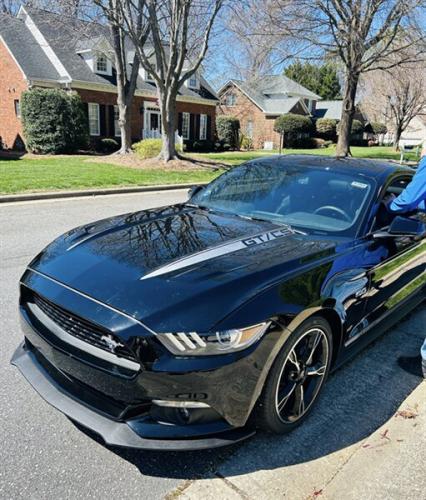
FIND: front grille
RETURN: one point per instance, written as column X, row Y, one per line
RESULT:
column 80, row 328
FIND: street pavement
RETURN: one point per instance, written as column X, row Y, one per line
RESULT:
column 46, row 456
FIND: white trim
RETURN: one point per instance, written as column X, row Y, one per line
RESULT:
column 13, row 57
column 203, row 127
column 188, row 115
column 78, row 84
column 98, row 133
column 42, row 42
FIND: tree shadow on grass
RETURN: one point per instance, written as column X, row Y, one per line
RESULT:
column 357, row 399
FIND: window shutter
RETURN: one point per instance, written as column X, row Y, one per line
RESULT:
column 197, row 127
column 179, row 123
column 102, row 120
column 209, row 128
column 111, row 128
column 192, row 131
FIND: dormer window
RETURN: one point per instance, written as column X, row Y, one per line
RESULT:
column 193, row 81
column 102, row 65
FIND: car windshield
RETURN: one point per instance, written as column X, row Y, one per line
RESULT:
column 316, row 199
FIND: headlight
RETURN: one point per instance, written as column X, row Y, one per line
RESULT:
column 209, row 344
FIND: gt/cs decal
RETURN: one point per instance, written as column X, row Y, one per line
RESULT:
column 264, row 238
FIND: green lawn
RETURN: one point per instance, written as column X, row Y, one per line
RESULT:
column 51, row 174
column 76, row 172
column 378, row 152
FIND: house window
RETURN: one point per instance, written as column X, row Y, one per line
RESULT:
column 230, row 100
column 185, row 125
column 249, row 129
column 94, row 125
column 101, row 64
column 117, row 131
column 17, row 108
column 193, row 81
column 203, row 127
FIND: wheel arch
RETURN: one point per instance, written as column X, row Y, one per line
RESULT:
column 330, row 315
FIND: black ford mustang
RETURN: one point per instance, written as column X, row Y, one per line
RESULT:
column 190, row 326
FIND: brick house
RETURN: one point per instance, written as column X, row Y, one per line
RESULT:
column 39, row 49
column 258, row 103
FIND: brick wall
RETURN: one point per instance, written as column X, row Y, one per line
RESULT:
column 246, row 111
column 109, row 99
column 12, row 84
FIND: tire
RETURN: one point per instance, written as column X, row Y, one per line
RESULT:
column 296, row 378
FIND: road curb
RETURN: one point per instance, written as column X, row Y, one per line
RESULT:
column 51, row 195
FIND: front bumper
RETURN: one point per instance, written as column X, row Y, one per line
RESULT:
column 128, row 433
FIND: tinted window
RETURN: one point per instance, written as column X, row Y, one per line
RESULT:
column 310, row 198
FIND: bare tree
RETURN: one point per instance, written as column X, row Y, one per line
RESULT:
column 364, row 34
column 9, row 6
column 126, row 59
column 395, row 96
column 179, row 31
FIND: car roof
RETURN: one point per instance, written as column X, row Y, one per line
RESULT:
column 377, row 169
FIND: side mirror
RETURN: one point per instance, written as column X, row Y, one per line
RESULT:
column 194, row 190
column 402, row 226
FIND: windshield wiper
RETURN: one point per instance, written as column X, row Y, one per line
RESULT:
column 274, row 221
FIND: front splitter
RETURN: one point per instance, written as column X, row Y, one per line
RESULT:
column 114, row 433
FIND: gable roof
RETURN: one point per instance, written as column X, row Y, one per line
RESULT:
column 26, row 52
column 66, row 38
column 329, row 109
column 272, row 93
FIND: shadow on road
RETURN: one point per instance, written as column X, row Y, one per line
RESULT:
column 356, row 400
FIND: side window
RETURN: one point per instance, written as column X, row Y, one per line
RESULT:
column 396, row 187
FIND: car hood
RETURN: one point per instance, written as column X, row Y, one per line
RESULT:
column 179, row 267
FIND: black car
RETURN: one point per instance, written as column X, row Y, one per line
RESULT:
column 191, row 326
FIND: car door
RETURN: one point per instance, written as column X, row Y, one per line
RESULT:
column 400, row 276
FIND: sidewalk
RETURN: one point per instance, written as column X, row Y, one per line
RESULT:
column 389, row 464
column 365, row 439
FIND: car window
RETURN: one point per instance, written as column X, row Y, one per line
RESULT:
column 319, row 199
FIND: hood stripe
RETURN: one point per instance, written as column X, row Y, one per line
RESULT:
column 218, row 251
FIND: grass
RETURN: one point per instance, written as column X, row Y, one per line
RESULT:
column 375, row 152
column 74, row 172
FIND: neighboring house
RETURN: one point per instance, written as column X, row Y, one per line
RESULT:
column 333, row 111
column 415, row 133
column 258, row 103
column 40, row 49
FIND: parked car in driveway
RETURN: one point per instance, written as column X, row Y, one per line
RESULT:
column 191, row 326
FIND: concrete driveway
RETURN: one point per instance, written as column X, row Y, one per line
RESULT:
column 44, row 455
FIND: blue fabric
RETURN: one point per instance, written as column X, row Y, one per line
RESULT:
column 414, row 195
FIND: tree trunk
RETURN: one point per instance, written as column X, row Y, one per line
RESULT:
column 396, row 139
column 348, row 111
column 125, row 129
column 168, row 128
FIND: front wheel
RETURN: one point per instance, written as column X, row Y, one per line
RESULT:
column 296, row 377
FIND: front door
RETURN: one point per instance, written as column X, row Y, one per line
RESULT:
column 152, row 129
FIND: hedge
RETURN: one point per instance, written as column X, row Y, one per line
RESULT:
column 228, row 128
column 54, row 121
column 150, row 148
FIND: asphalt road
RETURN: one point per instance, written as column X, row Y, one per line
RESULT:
column 44, row 455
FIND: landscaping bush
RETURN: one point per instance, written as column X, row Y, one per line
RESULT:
column 246, row 142
column 291, row 127
column 378, row 128
column 54, row 121
column 357, row 127
column 228, row 128
column 108, row 145
column 200, row 146
column 150, row 148
column 326, row 128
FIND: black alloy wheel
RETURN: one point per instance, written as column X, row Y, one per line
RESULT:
column 296, row 377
